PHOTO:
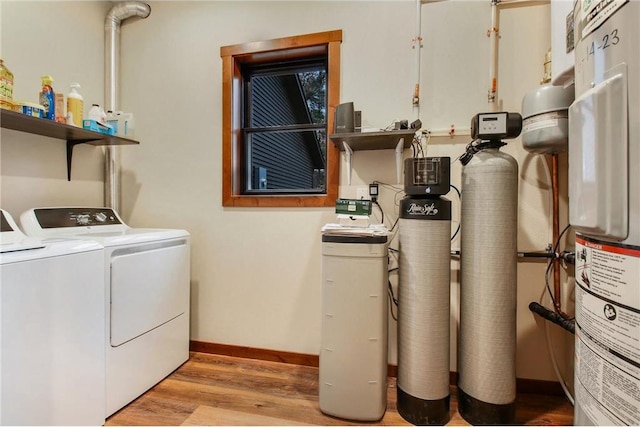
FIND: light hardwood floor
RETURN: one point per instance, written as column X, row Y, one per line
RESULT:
column 220, row 390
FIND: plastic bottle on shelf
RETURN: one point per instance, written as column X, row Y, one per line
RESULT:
column 6, row 83
column 75, row 106
column 112, row 120
column 48, row 98
column 97, row 113
column 121, row 123
column 129, row 125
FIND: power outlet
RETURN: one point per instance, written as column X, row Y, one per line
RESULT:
column 362, row 193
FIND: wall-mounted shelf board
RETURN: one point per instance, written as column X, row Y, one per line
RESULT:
column 73, row 135
column 384, row 140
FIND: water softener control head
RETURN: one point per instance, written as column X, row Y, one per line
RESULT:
column 496, row 126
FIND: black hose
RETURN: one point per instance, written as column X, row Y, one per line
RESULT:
column 523, row 254
column 552, row 316
column 536, row 255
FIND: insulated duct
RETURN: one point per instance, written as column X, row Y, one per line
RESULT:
column 114, row 18
column 487, row 334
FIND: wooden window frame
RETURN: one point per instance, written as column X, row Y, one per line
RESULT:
column 232, row 144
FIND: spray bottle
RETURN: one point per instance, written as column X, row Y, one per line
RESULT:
column 48, row 98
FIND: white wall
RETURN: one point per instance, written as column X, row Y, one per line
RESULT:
column 256, row 273
column 64, row 40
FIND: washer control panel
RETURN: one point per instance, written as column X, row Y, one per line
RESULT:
column 76, row 217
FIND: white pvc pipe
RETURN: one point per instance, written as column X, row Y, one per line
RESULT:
column 504, row 4
column 417, row 45
column 494, row 35
column 115, row 16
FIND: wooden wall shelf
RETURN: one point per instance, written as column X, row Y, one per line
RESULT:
column 71, row 134
column 384, row 140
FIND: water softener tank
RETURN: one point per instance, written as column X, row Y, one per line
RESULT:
column 487, row 334
column 424, row 294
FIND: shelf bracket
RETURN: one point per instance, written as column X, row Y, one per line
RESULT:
column 399, row 150
column 70, row 146
column 348, row 153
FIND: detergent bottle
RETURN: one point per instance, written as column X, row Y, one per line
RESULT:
column 48, row 98
column 75, row 105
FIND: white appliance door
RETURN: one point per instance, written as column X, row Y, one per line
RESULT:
column 52, row 341
column 148, row 289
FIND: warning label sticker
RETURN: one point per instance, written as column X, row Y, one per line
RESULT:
column 608, row 331
column 608, row 390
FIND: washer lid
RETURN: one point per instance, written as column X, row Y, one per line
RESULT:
column 12, row 239
column 15, row 246
column 130, row 235
column 103, row 225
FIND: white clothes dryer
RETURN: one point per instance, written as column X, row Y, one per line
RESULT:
column 147, row 284
column 52, row 314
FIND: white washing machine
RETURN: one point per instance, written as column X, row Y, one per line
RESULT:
column 52, row 313
column 147, row 292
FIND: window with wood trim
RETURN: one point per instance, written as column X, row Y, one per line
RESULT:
column 279, row 98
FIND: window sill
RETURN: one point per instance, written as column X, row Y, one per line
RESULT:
column 271, row 201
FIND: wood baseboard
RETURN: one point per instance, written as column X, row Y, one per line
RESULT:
column 255, row 353
column 523, row 385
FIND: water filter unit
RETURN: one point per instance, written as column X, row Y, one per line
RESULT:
column 604, row 209
column 488, row 253
column 424, row 294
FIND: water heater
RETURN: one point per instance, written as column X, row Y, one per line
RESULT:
column 604, row 209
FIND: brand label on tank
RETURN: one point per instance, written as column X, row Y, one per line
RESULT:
column 607, row 368
column 425, row 208
column 594, row 13
column 543, row 121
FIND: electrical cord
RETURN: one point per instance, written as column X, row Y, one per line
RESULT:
column 552, row 356
column 554, row 362
column 393, row 253
column 460, row 199
column 392, row 125
column 477, row 145
column 426, row 144
column 548, row 270
column 395, row 198
column 416, row 147
column 394, row 224
column 375, row 202
column 392, row 301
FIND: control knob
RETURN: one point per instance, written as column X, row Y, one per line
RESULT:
column 83, row 219
column 100, row 217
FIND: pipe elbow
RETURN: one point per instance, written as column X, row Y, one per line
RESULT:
column 125, row 10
